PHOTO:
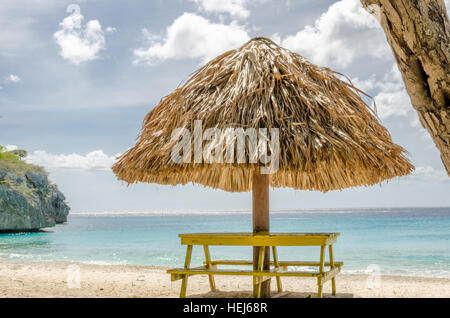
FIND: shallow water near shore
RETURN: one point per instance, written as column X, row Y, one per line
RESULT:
column 401, row 241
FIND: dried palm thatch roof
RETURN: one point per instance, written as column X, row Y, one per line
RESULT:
column 329, row 137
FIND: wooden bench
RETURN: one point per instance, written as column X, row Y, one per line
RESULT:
column 278, row 268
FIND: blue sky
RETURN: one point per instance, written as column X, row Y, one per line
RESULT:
column 78, row 77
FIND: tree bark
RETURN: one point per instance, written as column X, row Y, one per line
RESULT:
column 260, row 216
column 418, row 33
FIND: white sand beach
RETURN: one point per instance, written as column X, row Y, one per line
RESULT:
column 59, row 279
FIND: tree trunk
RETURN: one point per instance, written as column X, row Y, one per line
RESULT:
column 260, row 214
column 419, row 35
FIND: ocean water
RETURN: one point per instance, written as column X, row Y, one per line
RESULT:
column 406, row 241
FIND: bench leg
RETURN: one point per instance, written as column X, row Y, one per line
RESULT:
column 187, row 264
column 277, row 266
column 319, row 279
column 212, row 282
column 333, row 281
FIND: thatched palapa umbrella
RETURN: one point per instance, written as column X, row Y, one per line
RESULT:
column 329, row 138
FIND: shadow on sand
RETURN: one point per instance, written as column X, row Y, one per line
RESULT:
column 284, row 294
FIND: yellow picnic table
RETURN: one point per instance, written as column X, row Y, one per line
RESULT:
column 278, row 269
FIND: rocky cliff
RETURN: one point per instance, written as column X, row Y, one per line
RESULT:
column 28, row 201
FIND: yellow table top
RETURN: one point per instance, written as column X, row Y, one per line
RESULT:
column 263, row 239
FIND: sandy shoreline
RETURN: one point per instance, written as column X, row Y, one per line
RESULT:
column 59, row 279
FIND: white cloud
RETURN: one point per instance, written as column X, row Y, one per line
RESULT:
column 340, row 35
column 365, row 84
column 95, row 160
column 10, row 147
column 428, row 173
column 393, row 103
column 12, row 78
column 276, row 37
column 393, row 100
column 235, row 8
column 389, row 93
column 192, row 36
column 77, row 43
column 110, row 29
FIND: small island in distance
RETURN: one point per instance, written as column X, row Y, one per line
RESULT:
column 28, row 200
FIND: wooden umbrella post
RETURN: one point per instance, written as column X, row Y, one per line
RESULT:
column 261, row 223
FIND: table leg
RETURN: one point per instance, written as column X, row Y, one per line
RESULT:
column 319, row 279
column 257, row 280
column 187, row 264
column 333, row 281
column 212, row 283
column 277, row 266
column 319, row 284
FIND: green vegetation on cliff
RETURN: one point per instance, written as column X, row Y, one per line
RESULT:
column 12, row 161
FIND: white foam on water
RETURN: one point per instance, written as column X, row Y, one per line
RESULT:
column 405, row 272
column 228, row 212
column 153, row 213
column 19, row 256
column 123, row 262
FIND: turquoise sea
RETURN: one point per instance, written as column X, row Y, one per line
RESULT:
column 400, row 241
